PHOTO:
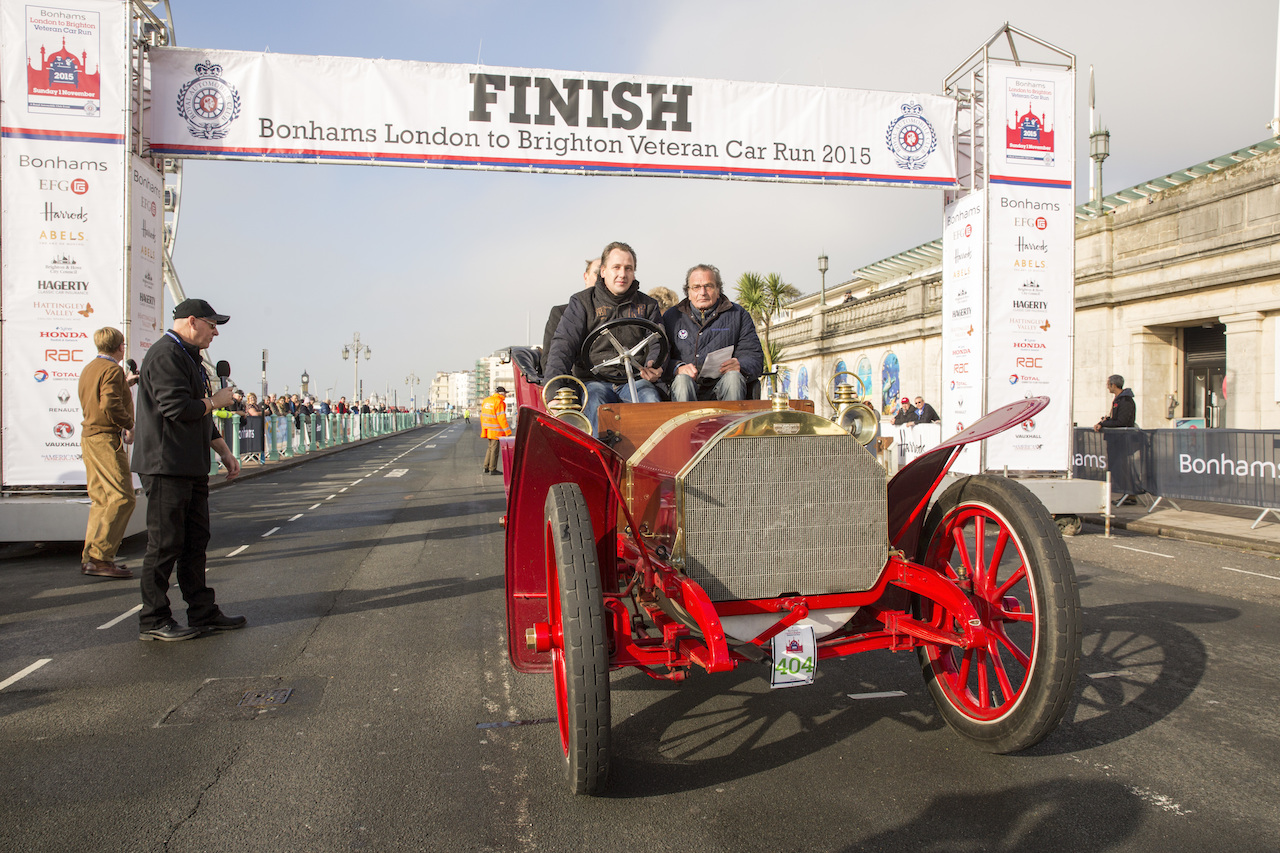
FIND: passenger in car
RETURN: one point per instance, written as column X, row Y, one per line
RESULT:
column 706, row 323
column 589, row 277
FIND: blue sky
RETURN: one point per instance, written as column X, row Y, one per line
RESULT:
column 435, row 268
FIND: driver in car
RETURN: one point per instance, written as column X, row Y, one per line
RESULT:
column 616, row 295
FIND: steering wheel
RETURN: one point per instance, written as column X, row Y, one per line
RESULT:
column 624, row 354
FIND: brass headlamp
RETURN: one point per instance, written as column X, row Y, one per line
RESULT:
column 854, row 415
column 565, row 404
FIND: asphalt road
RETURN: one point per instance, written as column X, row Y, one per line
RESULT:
column 372, row 580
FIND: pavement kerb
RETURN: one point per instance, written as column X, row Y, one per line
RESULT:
column 1246, row 543
column 281, row 464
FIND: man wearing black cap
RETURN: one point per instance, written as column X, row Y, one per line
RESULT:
column 173, row 433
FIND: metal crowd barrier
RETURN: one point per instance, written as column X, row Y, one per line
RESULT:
column 1231, row 466
column 270, row 438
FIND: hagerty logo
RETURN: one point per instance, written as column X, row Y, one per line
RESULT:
column 208, row 103
column 911, row 138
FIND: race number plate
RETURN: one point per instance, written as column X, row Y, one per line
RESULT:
column 795, row 657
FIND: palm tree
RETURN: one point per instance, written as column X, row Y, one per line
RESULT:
column 763, row 297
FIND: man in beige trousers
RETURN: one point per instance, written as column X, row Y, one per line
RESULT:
column 107, row 404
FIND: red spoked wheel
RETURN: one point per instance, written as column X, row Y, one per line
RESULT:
column 579, row 646
column 995, row 540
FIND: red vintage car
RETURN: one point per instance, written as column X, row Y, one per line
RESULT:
column 757, row 533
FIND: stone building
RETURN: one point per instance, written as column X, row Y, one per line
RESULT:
column 1177, row 289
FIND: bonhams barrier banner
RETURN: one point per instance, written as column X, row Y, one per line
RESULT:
column 64, row 162
column 232, row 104
column 1233, row 466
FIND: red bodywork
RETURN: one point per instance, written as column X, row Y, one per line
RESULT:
column 635, row 577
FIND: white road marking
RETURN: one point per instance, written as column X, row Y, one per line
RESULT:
column 358, row 482
column 331, row 497
column 885, row 694
column 269, row 532
column 296, row 517
column 397, row 472
column 428, row 447
column 1140, row 551
column 123, row 616
column 343, row 489
column 313, row 506
column 1113, row 674
column 18, row 676
column 1255, row 574
column 239, row 550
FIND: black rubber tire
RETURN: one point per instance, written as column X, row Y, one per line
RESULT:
column 1048, row 592
column 581, row 667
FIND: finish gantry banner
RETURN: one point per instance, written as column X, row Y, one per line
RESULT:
column 270, row 106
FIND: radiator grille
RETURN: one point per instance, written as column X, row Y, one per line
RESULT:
column 770, row 515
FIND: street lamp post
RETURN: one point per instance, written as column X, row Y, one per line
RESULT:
column 822, row 268
column 412, row 381
column 353, row 350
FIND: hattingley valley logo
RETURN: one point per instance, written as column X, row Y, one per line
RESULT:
column 208, row 103
column 911, row 137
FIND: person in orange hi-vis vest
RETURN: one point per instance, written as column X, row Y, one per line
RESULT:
column 493, row 426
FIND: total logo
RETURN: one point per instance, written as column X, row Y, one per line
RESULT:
column 64, row 430
column 1013, row 379
column 953, row 385
column 41, row 375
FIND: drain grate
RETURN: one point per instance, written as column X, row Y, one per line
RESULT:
column 258, row 698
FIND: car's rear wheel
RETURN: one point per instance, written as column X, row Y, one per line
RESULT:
column 579, row 647
column 995, row 540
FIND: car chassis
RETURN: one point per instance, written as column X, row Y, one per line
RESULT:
column 603, row 569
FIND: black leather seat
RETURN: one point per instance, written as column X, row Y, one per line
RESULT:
column 528, row 360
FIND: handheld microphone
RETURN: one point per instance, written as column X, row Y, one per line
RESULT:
column 132, row 365
column 223, row 369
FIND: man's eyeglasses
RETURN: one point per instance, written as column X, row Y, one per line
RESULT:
column 212, row 325
column 694, row 287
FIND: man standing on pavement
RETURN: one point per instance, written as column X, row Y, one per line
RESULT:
column 175, row 431
column 615, row 295
column 703, row 323
column 1126, row 447
column 107, row 427
column 493, row 426
column 1124, row 409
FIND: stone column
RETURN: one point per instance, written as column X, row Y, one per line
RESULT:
column 1244, row 356
column 1153, row 354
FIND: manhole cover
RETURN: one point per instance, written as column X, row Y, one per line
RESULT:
column 266, row 697
column 245, row 699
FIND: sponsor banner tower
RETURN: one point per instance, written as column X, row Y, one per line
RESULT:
column 1009, row 252
column 64, row 160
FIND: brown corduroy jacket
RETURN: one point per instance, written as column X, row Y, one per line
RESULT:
column 105, row 398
